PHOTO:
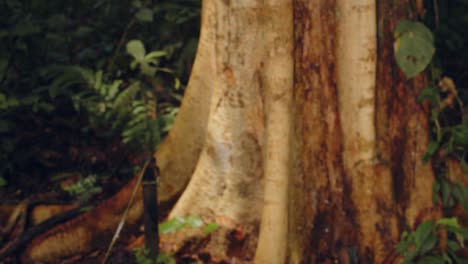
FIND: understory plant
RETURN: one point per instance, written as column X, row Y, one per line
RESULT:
column 442, row 240
column 79, row 79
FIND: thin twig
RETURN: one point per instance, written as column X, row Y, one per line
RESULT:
column 124, row 216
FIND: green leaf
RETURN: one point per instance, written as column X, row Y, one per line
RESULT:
column 125, row 98
column 136, row 49
column 194, row 221
column 428, row 244
column 432, row 148
column 414, row 47
column 113, row 90
column 460, row 135
column 452, row 221
column 165, row 259
column 404, row 244
column 458, row 230
column 445, row 193
column 410, row 255
column 144, row 15
column 423, row 232
column 147, row 69
column 177, row 84
column 453, row 246
column 210, row 228
column 155, row 54
column 173, row 225
column 407, row 26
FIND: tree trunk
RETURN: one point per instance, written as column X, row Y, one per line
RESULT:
column 301, row 133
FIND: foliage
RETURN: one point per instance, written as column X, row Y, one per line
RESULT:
column 414, row 47
column 84, row 188
column 433, row 242
column 142, row 257
column 170, row 226
column 177, row 223
column 66, row 79
column 415, row 50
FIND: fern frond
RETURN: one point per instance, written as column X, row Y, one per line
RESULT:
column 125, row 98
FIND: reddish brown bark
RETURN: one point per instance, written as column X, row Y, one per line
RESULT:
column 324, row 224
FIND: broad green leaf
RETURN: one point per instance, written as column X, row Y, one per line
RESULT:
column 403, row 245
column 136, row 49
column 414, row 47
column 428, row 244
column 446, row 194
column 407, row 26
column 147, row 69
column 452, row 245
column 210, row 228
column 144, row 15
column 459, row 194
column 410, row 255
column 173, row 225
column 194, row 221
column 461, row 234
column 165, row 259
column 423, row 232
column 447, row 259
column 458, row 230
column 432, row 148
column 155, row 54
column 126, row 97
column 452, row 221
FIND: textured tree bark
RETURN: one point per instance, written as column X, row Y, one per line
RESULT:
column 358, row 129
column 301, row 133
